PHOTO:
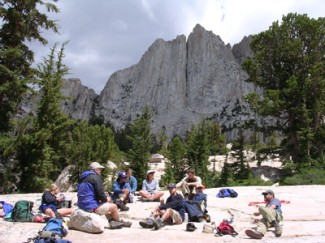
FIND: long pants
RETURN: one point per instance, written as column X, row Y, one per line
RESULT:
column 269, row 215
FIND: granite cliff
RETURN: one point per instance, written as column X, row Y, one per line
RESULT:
column 182, row 81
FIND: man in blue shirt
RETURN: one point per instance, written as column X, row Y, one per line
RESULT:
column 271, row 217
column 121, row 189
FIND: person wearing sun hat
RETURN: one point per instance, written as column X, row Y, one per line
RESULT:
column 92, row 197
column 150, row 188
column 271, row 217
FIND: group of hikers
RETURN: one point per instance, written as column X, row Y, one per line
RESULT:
column 192, row 201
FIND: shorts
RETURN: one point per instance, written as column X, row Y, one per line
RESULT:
column 103, row 209
column 176, row 217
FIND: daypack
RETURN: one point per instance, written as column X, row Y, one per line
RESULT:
column 52, row 232
column 22, row 212
column 227, row 192
column 226, row 229
column 54, row 228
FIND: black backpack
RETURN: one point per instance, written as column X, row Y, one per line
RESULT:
column 22, row 212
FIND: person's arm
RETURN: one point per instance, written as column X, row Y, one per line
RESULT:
column 98, row 188
column 179, row 184
column 116, row 188
column 172, row 203
column 144, row 185
column 156, row 189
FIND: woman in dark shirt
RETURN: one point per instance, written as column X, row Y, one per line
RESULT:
column 50, row 202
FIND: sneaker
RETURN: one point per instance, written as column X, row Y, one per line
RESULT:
column 126, row 224
column 158, row 223
column 254, row 234
column 148, row 224
column 115, row 224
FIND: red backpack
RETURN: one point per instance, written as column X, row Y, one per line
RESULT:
column 226, row 229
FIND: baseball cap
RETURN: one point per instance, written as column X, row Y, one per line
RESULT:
column 171, row 186
column 122, row 174
column 96, row 165
column 150, row 171
column 268, row 192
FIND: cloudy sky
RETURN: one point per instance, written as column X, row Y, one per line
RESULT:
column 109, row 35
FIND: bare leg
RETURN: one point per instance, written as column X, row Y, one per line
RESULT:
column 65, row 211
column 157, row 195
column 49, row 212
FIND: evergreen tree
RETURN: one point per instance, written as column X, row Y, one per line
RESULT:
column 141, row 144
column 21, row 21
column 198, row 149
column 289, row 65
column 240, row 167
column 175, row 166
column 41, row 149
column 91, row 143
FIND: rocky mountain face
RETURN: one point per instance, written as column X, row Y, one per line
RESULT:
column 181, row 81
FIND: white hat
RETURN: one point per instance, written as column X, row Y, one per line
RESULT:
column 150, row 171
column 96, row 165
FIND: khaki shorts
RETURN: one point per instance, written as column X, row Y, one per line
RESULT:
column 103, row 209
column 176, row 218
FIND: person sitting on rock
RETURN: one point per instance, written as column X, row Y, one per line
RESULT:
column 121, row 191
column 271, row 217
column 133, row 183
column 188, row 183
column 150, row 188
column 92, row 198
column 50, row 203
column 171, row 212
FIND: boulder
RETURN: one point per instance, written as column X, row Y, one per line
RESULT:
column 63, row 180
column 87, row 222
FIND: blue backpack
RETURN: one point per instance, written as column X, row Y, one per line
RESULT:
column 54, row 228
column 227, row 192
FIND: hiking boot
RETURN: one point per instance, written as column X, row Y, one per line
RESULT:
column 121, row 205
column 158, row 223
column 148, row 224
column 126, row 224
column 278, row 230
column 254, row 234
column 115, row 224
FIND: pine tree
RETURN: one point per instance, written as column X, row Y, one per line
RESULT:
column 21, row 21
column 91, row 143
column 141, row 142
column 41, row 148
column 175, row 166
column 288, row 64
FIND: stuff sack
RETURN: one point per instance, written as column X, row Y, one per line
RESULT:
column 226, row 229
column 227, row 192
column 22, row 212
column 7, row 208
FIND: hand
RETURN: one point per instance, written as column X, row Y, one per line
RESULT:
column 109, row 199
column 125, row 191
column 257, row 214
